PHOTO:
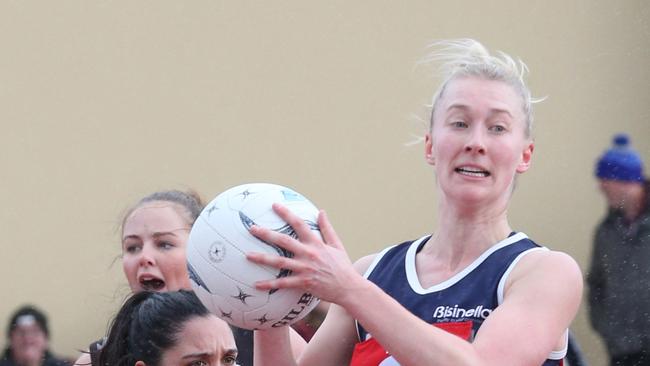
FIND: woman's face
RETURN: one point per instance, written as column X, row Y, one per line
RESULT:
column 154, row 240
column 478, row 140
column 202, row 342
column 28, row 343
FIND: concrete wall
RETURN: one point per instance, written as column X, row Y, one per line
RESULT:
column 103, row 102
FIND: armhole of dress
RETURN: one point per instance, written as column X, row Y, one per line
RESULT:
column 560, row 354
column 366, row 274
column 554, row 355
column 376, row 260
column 504, row 278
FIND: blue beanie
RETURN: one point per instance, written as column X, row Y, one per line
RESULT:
column 620, row 162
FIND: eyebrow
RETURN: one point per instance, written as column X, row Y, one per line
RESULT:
column 156, row 235
column 232, row 351
column 466, row 107
column 195, row 355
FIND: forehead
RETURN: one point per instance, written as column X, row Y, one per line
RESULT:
column 155, row 216
column 28, row 328
column 478, row 94
column 207, row 335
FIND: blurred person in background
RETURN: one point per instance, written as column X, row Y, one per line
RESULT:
column 28, row 340
column 619, row 276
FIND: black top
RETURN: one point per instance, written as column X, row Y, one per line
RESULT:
column 48, row 360
column 244, row 340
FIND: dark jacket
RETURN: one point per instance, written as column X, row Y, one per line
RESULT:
column 619, row 282
column 49, row 360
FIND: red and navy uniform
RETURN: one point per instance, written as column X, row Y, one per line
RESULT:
column 458, row 305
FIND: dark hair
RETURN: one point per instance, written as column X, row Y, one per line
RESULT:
column 28, row 311
column 189, row 201
column 148, row 324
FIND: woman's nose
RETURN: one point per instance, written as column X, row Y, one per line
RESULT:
column 475, row 142
column 147, row 257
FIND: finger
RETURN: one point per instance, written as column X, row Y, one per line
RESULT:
column 282, row 240
column 305, row 234
column 327, row 230
column 275, row 261
column 284, row 282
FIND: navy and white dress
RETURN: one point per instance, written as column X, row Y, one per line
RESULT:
column 458, row 305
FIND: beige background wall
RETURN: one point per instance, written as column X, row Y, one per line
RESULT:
column 102, row 102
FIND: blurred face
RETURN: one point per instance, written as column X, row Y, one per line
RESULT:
column 28, row 344
column 154, row 239
column 202, row 342
column 621, row 194
column 478, row 141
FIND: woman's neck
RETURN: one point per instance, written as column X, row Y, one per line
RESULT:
column 464, row 233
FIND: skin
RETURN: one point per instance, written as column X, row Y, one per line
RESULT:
column 154, row 241
column 626, row 196
column 203, row 341
column 28, row 344
column 477, row 145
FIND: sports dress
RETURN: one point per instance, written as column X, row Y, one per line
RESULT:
column 458, row 305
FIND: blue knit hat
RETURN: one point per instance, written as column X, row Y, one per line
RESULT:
column 620, row 162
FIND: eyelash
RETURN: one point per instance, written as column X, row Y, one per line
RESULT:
column 131, row 248
column 165, row 245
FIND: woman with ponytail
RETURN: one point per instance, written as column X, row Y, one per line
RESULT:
column 167, row 328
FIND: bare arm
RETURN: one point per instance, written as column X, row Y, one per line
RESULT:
column 545, row 284
column 335, row 339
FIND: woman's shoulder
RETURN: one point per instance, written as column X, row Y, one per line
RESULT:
column 548, row 267
column 362, row 264
column 87, row 357
column 84, row 359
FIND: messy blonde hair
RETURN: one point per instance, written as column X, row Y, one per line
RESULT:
column 467, row 57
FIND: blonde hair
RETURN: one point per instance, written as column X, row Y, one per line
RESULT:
column 467, row 57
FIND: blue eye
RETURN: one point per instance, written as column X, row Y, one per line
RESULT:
column 497, row 129
column 459, row 124
column 165, row 245
column 132, row 248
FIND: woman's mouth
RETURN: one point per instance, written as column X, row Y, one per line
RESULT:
column 152, row 284
column 472, row 172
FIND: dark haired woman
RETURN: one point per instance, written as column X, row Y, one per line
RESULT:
column 167, row 329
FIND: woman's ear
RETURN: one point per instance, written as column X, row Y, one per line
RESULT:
column 526, row 157
column 140, row 363
column 428, row 150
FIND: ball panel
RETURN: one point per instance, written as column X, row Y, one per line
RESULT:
column 289, row 306
column 226, row 279
column 222, row 275
column 227, row 253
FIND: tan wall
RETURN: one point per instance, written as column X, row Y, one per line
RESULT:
column 102, row 102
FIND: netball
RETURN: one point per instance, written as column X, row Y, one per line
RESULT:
column 221, row 275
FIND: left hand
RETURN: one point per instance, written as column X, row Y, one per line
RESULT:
column 320, row 266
